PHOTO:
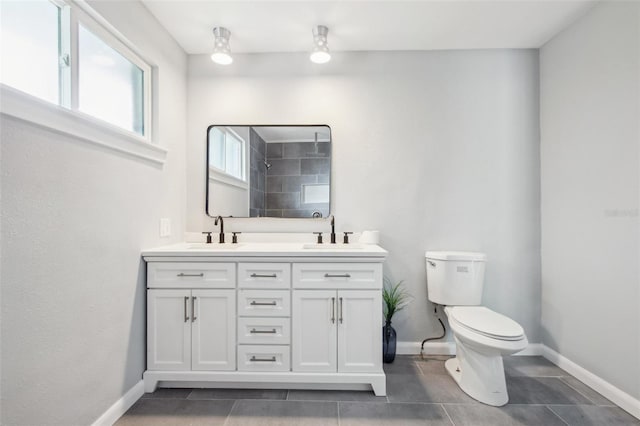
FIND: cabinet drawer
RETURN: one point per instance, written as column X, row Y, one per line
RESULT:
column 263, row 358
column 191, row 275
column 269, row 331
column 337, row 275
column 264, row 275
column 264, row 303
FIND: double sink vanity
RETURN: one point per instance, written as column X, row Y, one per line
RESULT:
column 265, row 315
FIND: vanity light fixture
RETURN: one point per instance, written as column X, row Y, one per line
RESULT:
column 221, row 50
column 320, row 53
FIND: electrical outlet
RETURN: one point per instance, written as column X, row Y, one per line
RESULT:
column 165, row 227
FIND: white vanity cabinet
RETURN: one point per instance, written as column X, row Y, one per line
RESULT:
column 257, row 318
column 191, row 316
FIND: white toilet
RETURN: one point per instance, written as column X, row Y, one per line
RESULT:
column 455, row 279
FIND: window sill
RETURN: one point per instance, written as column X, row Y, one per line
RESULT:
column 25, row 107
column 222, row 177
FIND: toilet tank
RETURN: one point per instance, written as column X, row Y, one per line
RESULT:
column 455, row 278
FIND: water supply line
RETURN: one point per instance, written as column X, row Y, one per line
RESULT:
column 444, row 331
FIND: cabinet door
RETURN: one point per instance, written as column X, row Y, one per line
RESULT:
column 213, row 329
column 168, row 330
column 314, row 330
column 359, row 331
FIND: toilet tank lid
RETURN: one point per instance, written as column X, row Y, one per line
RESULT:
column 456, row 255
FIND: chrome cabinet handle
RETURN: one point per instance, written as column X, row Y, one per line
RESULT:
column 254, row 303
column 186, row 315
column 193, row 309
column 337, row 275
column 182, row 274
column 263, row 276
column 254, row 331
column 333, row 310
column 254, row 359
column 341, row 310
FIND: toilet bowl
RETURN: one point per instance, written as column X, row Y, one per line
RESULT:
column 482, row 336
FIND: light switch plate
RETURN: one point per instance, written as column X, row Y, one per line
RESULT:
column 165, row 227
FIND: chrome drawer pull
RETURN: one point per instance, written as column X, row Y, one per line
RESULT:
column 341, row 310
column 254, row 359
column 254, row 303
column 254, row 331
column 182, row 274
column 263, row 276
column 337, row 275
column 333, row 310
column 193, row 309
column 186, row 315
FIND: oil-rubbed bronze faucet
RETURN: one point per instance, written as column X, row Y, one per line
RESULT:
column 221, row 237
column 333, row 230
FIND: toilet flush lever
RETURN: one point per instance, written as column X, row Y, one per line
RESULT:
column 431, row 263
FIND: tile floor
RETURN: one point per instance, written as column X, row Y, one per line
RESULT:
column 419, row 392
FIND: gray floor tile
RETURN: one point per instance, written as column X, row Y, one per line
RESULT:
column 509, row 415
column 542, row 390
column 329, row 395
column 432, row 364
column 283, row 413
column 585, row 390
column 176, row 393
column 238, row 394
column 425, row 388
column 531, row 366
column 372, row 414
column 169, row 412
column 401, row 365
column 590, row 415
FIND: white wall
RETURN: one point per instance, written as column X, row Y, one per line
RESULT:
column 437, row 150
column 589, row 165
column 74, row 219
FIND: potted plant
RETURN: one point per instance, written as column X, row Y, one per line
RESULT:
column 395, row 298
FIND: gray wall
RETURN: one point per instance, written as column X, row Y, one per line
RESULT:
column 589, row 165
column 74, row 220
column 437, row 150
column 257, row 174
column 293, row 165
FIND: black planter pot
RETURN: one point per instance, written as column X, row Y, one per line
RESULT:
column 388, row 343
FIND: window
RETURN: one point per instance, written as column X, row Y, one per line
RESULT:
column 57, row 51
column 227, row 152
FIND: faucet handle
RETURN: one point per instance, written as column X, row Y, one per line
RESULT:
column 234, row 238
column 208, row 236
column 346, row 237
column 319, row 237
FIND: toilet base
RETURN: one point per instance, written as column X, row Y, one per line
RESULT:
column 479, row 375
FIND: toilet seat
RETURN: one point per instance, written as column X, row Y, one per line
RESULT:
column 486, row 322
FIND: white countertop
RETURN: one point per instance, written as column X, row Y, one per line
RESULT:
column 257, row 249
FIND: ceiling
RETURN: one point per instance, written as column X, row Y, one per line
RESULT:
column 285, row 26
column 272, row 134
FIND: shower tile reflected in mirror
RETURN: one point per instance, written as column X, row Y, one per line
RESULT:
column 269, row 171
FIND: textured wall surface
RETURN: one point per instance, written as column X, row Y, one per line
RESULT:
column 293, row 165
column 257, row 175
column 74, row 218
column 437, row 150
column 590, row 109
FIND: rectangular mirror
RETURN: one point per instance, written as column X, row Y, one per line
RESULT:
column 268, row 171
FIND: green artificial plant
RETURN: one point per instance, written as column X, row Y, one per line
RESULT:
column 395, row 298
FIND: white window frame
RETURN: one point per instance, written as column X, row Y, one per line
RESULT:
column 65, row 117
column 222, row 175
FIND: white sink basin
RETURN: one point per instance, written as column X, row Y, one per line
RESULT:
column 328, row 246
column 212, row 246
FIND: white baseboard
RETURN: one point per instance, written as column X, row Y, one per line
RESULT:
column 121, row 406
column 449, row 348
column 609, row 391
